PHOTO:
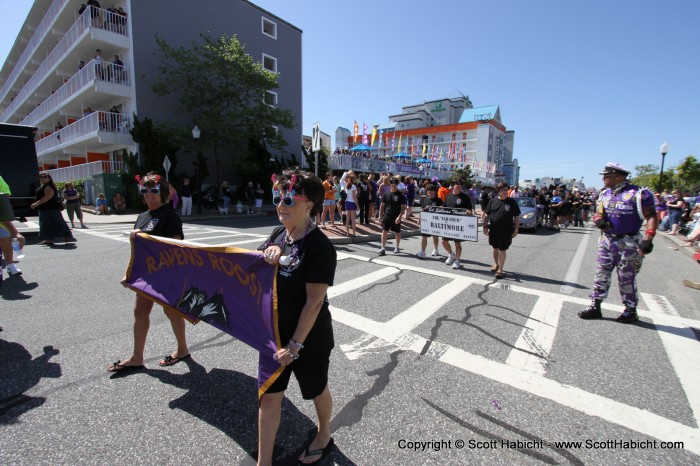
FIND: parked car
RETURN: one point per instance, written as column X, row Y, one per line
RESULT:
column 528, row 213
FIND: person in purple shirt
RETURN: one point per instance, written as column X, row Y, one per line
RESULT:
column 620, row 211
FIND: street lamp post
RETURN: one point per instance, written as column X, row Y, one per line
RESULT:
column 196, row 133
column 664, row 150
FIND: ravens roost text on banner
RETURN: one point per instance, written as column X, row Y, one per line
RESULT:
column 449, row 222
column 230, row 288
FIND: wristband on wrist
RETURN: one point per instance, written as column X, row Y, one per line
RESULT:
column 650, row 232
column 298, row 346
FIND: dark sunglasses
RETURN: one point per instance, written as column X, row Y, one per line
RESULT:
column 153, row 190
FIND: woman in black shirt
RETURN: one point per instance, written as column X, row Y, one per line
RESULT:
column 307, row 262
column 159, row 220
column 51, row 223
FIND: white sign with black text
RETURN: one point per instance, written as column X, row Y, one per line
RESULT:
column 448, row 222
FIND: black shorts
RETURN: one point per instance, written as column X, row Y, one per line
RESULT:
column 311, row 372
column 501, row 238
column 452, row 239
column 388, row 224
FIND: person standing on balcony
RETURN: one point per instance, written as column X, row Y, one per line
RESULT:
column 117, row 68
column 99, row 72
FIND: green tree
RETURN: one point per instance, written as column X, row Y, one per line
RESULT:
column 323, row 155
column 155, row 142
column 688, row 174
column 465, row 174
column 226, row 92
column 648, row 176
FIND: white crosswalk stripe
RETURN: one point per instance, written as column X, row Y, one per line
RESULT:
column 526, row 365
column 201, row 235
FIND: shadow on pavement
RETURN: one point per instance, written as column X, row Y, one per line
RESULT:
column 13, row 288
column 19, row 373
column 227, row 400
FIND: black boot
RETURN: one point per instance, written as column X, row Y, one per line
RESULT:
column 592, row 311
column 629, row 316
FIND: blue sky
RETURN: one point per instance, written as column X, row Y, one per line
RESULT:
column 580, row 83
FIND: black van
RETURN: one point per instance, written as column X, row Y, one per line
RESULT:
column 19, row 166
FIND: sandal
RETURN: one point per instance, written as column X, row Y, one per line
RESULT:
column 494, row 268
column 117, row 367
column 500, row 274
column 169, row 360
column 321, row 451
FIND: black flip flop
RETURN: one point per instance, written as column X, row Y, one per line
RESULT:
column 321, row 451
column 117, row 367
column 171, row 361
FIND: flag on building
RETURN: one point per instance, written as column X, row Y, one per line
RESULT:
column 364, row 133
column 374, row 135
column 356, row 130
column 381, row 138
column 424, row 149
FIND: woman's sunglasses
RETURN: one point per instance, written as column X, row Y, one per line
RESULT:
column 153, row 190
column 288, row 198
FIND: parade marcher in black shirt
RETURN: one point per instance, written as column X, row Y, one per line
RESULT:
column 460, row 200
column 430, row 200
column 501, row 224
column 391, row 210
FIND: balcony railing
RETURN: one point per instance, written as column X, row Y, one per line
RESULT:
column 95, row 70
column 41, row 30
column 85, row 171
column 92, row 17
column 96, row 121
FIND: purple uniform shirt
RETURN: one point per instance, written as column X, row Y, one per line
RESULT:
column 624, row 209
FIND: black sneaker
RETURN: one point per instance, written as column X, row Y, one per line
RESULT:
column 592, row 311
column 382, row 252
column 629, row 316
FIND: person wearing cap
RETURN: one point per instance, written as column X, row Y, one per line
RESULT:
column 620, row 211
column 391, row 209
column 456, row 199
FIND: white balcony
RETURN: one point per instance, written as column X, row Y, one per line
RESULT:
column 98, row 131
column 100, row 23
column 86, row 171
column 93, row 75
column 44, row 27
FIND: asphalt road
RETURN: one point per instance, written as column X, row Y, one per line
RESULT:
column 432, row 365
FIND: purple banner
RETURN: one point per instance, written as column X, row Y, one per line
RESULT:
column 230, row 288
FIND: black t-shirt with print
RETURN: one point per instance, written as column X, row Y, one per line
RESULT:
column 393, row 201
column 316, row 264
column 461, row 201
column 502, row 212
column 160, row 222
column 428, row 202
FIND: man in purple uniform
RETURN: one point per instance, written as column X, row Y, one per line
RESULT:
column 620, row 211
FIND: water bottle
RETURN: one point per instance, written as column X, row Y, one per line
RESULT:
column 17, row 249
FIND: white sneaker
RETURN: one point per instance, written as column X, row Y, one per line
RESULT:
column 13, row 270
column 396, row 250
column 420, row 254
column 435, row 253
column 457, row 265
column 450, row 259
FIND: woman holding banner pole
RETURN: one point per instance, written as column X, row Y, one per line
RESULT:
column 159, row 220
column 307, row 263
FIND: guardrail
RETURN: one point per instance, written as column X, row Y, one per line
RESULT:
column 86, row 171
column 95, row 70
column 86, row 20
column 37, row 37
column 96, row 121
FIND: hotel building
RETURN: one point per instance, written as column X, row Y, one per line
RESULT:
column 449, row 133
column 80, row 74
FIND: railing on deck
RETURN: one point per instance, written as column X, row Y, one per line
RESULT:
column 92, row 17
column 38, row 36
column 86, row 171
column 96, row 121
column 95, row 70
